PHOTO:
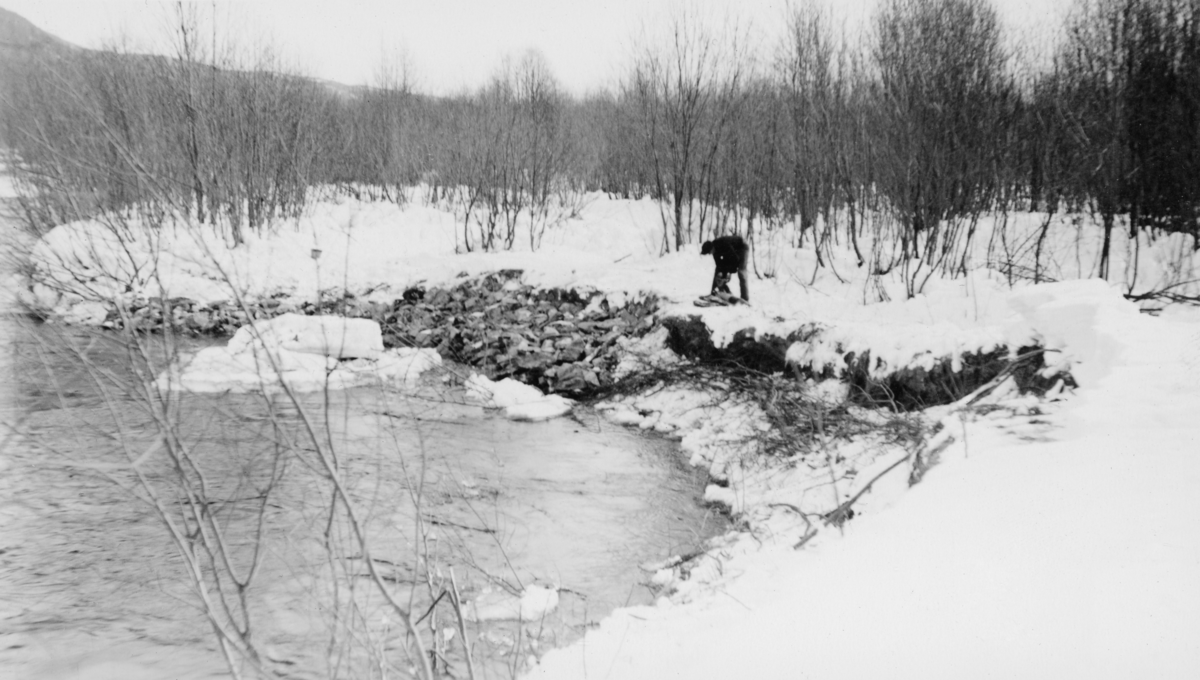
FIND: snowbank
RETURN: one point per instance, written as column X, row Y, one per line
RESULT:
column 308, row 353
column 374, row 250
column 1065, row 317
column 330, row 336
column 518, row 400
column 1053, row 540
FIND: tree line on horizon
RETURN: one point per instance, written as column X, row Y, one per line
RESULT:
column 908, row 134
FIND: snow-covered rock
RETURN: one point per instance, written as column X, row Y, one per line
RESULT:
column 1064, row 317
column 87, row 313
column 306, row 353
column 519, row 401
column 331, row 336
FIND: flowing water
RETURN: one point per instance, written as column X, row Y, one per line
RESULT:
column 92, row 586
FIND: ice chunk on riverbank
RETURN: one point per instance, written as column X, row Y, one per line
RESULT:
column 225, row 369
column 519, row 401
column 87, row 313
column 500, row 394
column 331, row 336
column 548, row 407
column 302, row 352
column 407, row 364
column 534, row 603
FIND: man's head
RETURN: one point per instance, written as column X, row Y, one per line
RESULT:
column 706, row 247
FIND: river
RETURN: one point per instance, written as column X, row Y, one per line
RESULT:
column 92, row 586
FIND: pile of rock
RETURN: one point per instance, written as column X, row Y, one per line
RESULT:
column 223, row 318
column 561, row 341
column 188, row 316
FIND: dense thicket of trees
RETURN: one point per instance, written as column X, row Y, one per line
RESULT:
column 1128, row 89
column 907, row 134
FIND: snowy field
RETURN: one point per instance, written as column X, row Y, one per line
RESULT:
column 1053, row 538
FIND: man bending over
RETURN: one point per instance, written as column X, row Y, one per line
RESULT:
column 729, row 253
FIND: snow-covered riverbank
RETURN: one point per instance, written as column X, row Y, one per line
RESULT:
column 1051, row 538
column 1054, row 539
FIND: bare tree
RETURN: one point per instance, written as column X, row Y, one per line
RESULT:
column 943, row 102
column 685, row 98
column 1129, row 72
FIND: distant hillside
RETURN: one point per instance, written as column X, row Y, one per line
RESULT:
column 20, row 40
column 18, row 34
column 341, row 89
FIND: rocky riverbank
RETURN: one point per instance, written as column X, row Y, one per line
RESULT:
column 563, row 341
column 571, row 341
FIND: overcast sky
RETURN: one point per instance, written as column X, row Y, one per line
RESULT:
column 452, row 44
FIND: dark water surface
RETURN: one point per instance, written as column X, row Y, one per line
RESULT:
column 91, row 585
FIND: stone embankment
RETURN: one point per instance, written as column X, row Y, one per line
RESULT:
column 570, row 341
column 563, row 341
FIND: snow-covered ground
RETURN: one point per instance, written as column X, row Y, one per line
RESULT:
column 377, row 250
column 1052, row 538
